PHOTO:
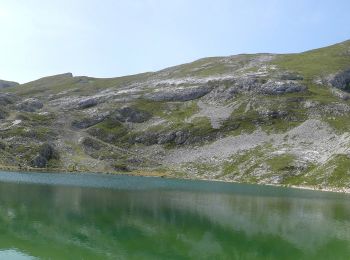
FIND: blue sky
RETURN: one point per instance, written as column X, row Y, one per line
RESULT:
column 105, row 38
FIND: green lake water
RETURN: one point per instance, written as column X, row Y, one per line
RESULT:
column 87, row 216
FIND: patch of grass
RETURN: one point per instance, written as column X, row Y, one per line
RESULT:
column 153, row 107
column 340, row 176
column 35, row 119
column 321, row 94
column 13, row 131
column 200, row 126
column 335, row 173
column 317, row 62
column 204, row 168
column 282, row 125
column 243, row 164
column 340, row 123
column 281, row 162
column 182, row 111
column 289, row 113
column 109, row 131
column 244, row 121
column 112, row 126
column 301, row 178
column 172, row 111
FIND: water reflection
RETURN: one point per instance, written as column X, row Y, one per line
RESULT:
column 59, row 222
column 12, row 254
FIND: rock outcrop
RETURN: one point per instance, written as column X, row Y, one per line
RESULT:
column 7, row 99
column 178, row 93
column 259, row 118
column 340, row 80
column 30, row 105
column 87, row 103
column 46, row 153
column 281, row 87
column 87, row 122
column 7, row 84
column 130, row 114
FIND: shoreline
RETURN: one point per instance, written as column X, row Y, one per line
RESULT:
column 164, row 175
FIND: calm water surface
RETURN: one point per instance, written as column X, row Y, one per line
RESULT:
column 60, row 216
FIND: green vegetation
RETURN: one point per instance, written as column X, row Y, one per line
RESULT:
column 182, row 111
column 153, row 107
column 319, row 62
column 92, row 137
column 109, row 130
column 340, row 176
column 281, row 162
column 335, row 173
column 340, row 123
column 35, row 119
column 243, row 164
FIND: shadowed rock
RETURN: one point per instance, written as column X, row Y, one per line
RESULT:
column 88, row 121
column 165, row 138
column 30, row 105
column 3, row 113
column 7, row 98
column 274, row 114
column 87, row 103
column 179, row 94
column 133, row 115
column 91, row 144
column 46, row 153
column 39, row 162
column 340, row 80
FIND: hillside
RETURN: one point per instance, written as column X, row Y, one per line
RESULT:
column 256, row 118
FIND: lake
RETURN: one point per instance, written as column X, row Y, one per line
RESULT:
column 91, row 216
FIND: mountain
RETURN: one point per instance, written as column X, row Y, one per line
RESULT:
column 256, row 118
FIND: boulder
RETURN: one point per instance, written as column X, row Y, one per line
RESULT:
column 247, row 83
column 88, row 121
column 7, row 99
column 281, row 87
column 178, row 94
column 2, row 145
column 222, row 93
column 30, row 105
column 39, row 162
column 91, row 144
column 87, row 103
column 273, row 114
column 146, row 139
column 181, row 137
column 48, row 151
column 3, row 114
column 129, row 114
column 122, row 167
column 45, row 154
column 165, row 138
column 340, row 80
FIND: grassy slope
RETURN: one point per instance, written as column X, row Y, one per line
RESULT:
column 311, row 65
column 319, row 62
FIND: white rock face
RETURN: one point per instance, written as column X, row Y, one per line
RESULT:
column 312, row 141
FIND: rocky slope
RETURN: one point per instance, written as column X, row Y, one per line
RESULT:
column 262, row 118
